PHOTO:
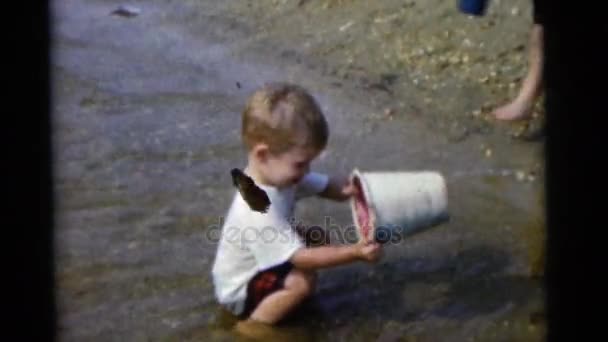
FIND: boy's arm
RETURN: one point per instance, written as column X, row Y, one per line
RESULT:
column 338, row 189
column 329, row 256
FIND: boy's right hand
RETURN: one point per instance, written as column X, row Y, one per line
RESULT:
column 369, row 251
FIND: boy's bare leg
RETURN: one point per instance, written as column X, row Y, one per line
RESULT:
column 298, row 285
column 521, row 106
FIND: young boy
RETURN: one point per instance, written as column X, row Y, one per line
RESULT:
column 262, row 269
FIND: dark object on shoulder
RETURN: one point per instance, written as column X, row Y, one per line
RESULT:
column 256, row 198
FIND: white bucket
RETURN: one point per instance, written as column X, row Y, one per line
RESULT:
column 398, row 204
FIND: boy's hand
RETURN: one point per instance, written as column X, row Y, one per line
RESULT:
column 369, row 251
column 349, row 189
column 339, row 189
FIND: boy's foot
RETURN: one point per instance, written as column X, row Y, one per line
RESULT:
column 516, row 110
column 254, row 330
column 263, row 332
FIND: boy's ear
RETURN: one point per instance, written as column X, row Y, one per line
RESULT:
column 261, row 152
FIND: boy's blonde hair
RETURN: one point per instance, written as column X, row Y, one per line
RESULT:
column 278, row 114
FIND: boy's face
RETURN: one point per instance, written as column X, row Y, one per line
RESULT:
column 289, row 167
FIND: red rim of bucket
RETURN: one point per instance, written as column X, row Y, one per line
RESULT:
column 362, row 199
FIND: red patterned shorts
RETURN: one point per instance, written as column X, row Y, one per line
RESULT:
column 263, row 284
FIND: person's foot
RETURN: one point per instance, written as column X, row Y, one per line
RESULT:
column 516, row 110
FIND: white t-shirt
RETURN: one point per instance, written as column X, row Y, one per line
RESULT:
column 251, row 241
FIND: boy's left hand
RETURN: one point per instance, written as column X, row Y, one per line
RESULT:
column 339, row 189
column 349, row 189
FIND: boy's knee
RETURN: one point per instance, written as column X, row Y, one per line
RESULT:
column 304, row 282
column 311, row 280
